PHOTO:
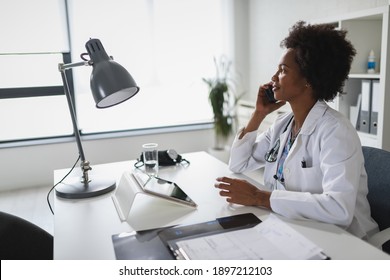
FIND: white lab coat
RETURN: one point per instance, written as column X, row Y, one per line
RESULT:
column 333, row 186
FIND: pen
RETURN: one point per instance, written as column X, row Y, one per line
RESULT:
column 303, row 163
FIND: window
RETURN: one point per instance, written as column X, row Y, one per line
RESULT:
column 167, row 46
column 32, row 104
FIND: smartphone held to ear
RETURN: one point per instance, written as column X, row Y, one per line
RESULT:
column 270, row 94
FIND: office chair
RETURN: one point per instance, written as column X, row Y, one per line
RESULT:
column 377, row 164
column 22, row 240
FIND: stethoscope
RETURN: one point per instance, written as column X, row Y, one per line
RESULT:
column 272, row 154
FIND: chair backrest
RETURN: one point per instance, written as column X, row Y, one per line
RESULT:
column 22, row 240
column 377, row 162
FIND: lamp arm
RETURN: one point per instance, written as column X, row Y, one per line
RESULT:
column 62, row 67
column 85, row 167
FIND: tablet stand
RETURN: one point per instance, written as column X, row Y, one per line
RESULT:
column 126, row 192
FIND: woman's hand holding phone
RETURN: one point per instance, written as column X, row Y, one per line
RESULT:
column 266, row 101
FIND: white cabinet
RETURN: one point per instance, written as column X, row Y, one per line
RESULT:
column 367, row 30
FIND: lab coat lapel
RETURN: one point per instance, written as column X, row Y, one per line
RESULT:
column 308, row 126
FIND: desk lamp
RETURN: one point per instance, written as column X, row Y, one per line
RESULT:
column 111, row 84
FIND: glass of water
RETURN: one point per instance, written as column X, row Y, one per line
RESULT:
column 150, row 154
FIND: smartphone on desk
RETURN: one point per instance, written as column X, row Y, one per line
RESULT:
column 270, row 94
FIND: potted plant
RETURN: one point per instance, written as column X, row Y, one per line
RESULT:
column 223, row 101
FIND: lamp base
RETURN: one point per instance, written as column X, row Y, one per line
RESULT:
column 76, row 189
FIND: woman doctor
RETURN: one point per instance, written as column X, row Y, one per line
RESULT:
column 314, row 166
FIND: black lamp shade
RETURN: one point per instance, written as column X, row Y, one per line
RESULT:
column 111, row 84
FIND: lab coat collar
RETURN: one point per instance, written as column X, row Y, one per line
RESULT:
column 313, row 117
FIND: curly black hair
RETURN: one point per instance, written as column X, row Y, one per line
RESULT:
column 324, row 56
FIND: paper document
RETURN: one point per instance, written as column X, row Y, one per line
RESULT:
column 271, row 240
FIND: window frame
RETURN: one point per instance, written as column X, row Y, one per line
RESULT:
column 21, row 92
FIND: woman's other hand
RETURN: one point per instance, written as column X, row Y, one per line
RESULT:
column 242, row 192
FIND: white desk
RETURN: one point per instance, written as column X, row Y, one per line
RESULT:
column 83, row 228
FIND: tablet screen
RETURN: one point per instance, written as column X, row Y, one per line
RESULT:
column 162, row 188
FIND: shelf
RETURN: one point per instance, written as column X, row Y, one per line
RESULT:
column 368, row 139
column 367, row 135
column 364, row 76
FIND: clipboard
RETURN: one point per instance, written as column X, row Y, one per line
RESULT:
column 170, row 237
column 271, row 240
column 159, row 244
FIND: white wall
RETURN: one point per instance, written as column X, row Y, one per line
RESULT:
column 33, row 166
column 270, row 20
